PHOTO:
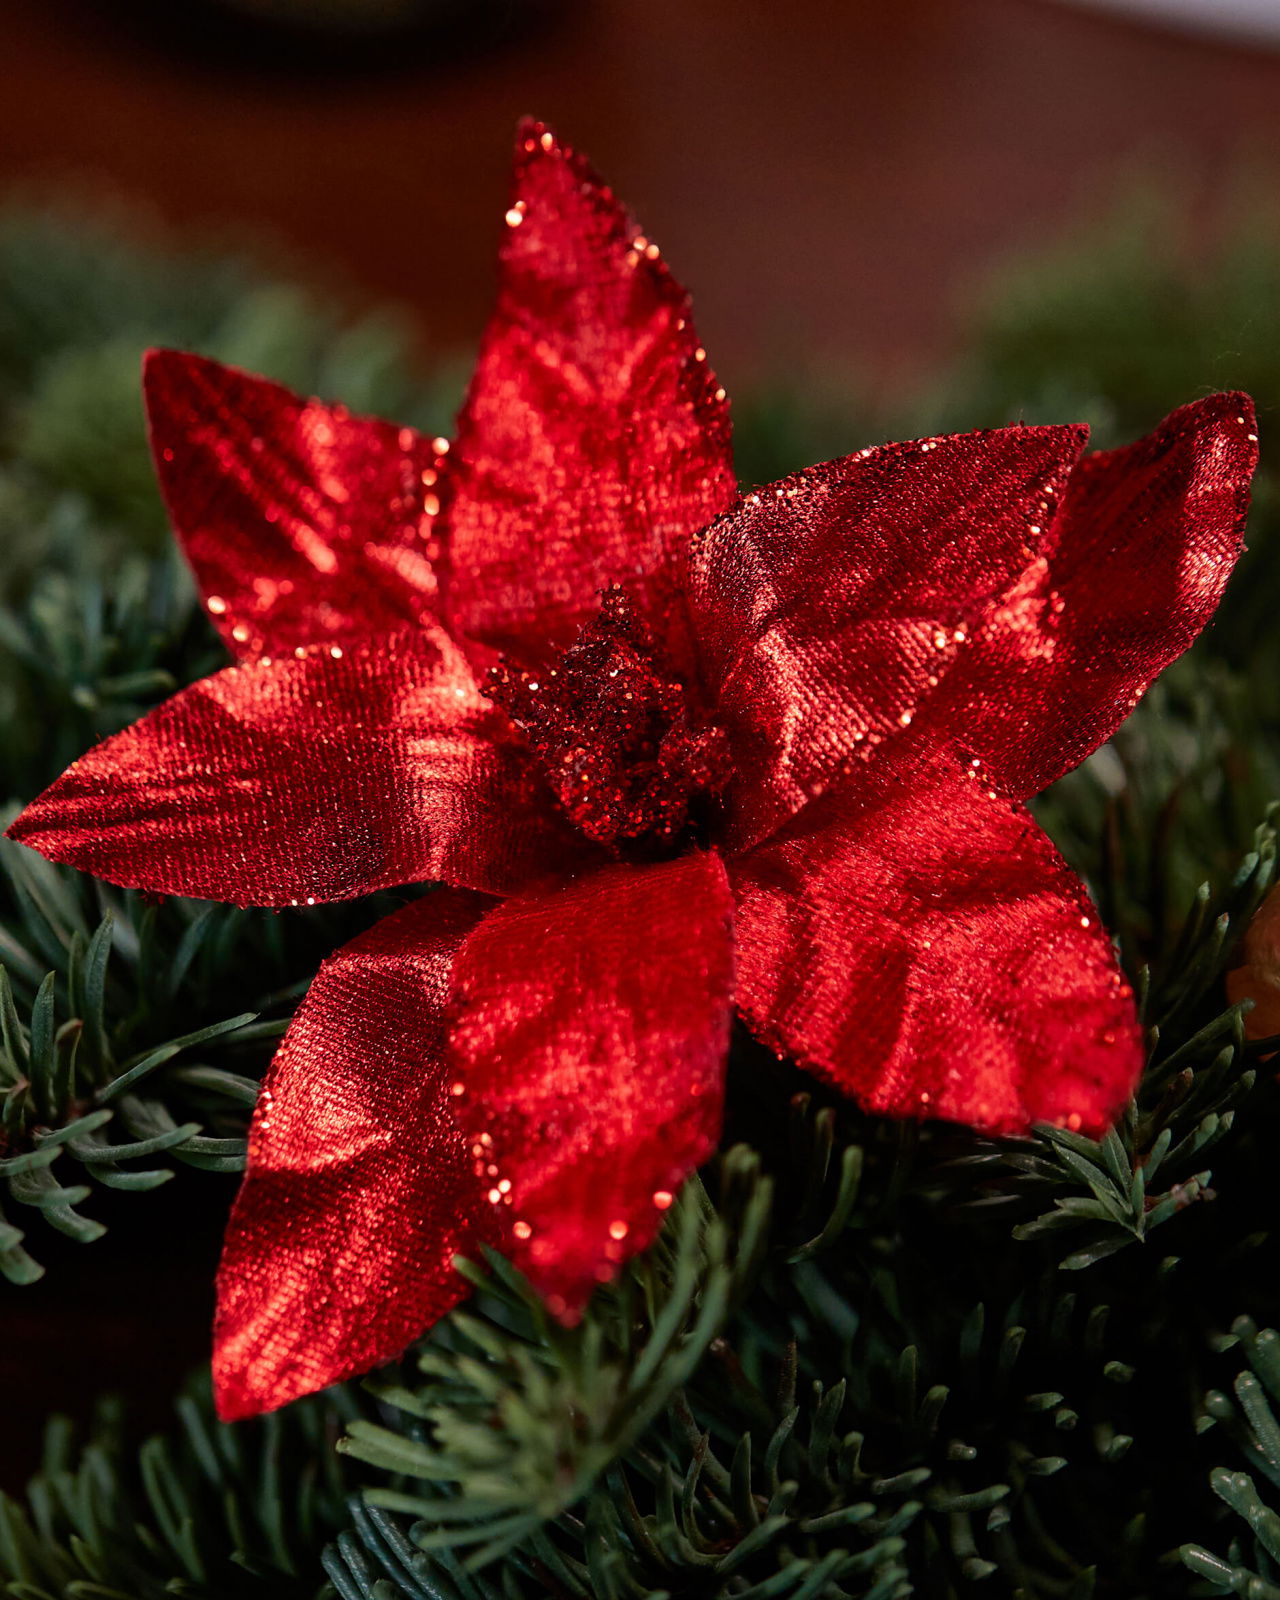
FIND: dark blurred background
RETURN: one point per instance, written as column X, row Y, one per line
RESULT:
column 844, row 185
column 832, row 176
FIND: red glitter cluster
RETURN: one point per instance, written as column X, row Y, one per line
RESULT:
column 612, row 731
column 783, row 770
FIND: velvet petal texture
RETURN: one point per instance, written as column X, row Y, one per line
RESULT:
column 917, row 941
column 893, row 647
column 828, row 608
column 595, row 438
column 304, row 523
column 320, row 776
column 1137, row 557
column 359, row 1189
column 539, row 1073
column 590, row 1026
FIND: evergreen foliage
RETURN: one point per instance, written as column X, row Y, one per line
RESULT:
column 212, row 1512
column 863, row 1359
column 1252, row 1568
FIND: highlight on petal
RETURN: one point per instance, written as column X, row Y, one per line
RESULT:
column 319, row 776
column 359, row 1189
column 589, row 1026
column 1138, row 555
column 917, row 941
column 828, row 608
column 304, row 524
column 595, row 438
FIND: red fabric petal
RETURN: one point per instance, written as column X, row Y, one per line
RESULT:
column 303, row 523
column 595, row 438
column 590, row 1027
column 919, row 943
column 829, row 607
column 319, row 776
column 1138, row 556
column 359, row 1189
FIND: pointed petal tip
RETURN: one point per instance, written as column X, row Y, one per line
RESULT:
column 359, row 1190
column 531, row 127
column 1225, row 404
column 1228, row 415
column 173, row 380
column 235, row 1398
column 36, row 830
column 582, row 1205
column 1080, row 432
column 536, row 139
column 232, row 1404
column 539, row 151
column 1003, row 1008
column 546, row 164
column 1089, row 1095
column 163, row 365
column 165, row 368
column 634, row 428
column 41, row 829
column 603, row 1251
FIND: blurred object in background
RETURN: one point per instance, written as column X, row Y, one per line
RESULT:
column 1250, row 20
column 834, row 177
column 1117, row 329
column 335, row 37
column 838, row 180
column 82, row 293
column 344, row 16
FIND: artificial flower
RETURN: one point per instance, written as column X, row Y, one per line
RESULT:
column 672, row 749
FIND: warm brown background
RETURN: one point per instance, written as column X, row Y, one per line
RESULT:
column 830, row 177
column 828, row 174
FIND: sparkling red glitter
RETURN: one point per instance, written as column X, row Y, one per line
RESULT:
column 613, row 731
column 792, row 743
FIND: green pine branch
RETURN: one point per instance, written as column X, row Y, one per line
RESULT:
column 1247, row 1418
column 103, row 1080
column 207, row 1511
column 853, row 1365
column 1094, row 1198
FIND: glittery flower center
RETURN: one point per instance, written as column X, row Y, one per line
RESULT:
column 613, row 732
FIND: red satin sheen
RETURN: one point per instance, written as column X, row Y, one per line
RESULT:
column 1138, row 555
column 917, row 941
column 303, row 523
column 359, row 1190
column 320, row 776
column 589, row 1027
column 830, row 606
column 540, row 1074
column 821, row 657
column 595, row 437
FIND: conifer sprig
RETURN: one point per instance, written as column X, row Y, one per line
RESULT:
column 208, row 1511
column 881, row 1390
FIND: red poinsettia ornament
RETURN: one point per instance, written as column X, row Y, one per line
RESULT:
column 672, row 750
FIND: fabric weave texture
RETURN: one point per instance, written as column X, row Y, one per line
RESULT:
column 673, row 751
